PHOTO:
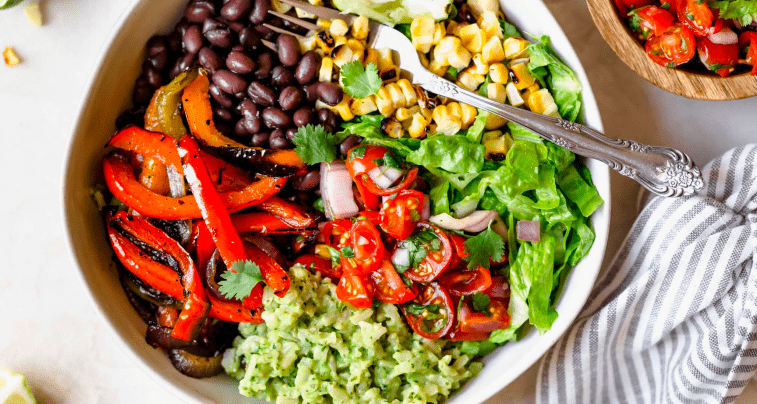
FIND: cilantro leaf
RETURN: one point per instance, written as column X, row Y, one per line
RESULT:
column 348, row 252
column 432, row 310
column 417, row 246
column 335, row 256
column 484, row 247
column 481, row 302
column 239, row 284
column 359, row 81
column 743, row 10
column 387, row 161
column 315, row 145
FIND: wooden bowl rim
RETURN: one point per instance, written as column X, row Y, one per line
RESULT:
column 690, row 85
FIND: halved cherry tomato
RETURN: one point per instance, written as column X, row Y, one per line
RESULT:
column 456, row 335
column 719, row 58
column 388, row 286
column 335, row 233
column 458, row 250
column 322, row 265
column 676, row 46
column 698, row 16
column 496, row 317
column 436, row 261
column 670, row 5
column 354, row 290
column 367, row 249
column 409, row 180
column 499, row 289
column 370, row 200
column 432, row 313
column 651, row 20
column 748, row 39
column 401, row 213
column 363, row 159
column 624, row 6
column 463, row 281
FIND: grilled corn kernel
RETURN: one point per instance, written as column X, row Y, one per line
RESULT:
column 338, row 28
column 480, row 78
column 493, row 52
column 467, row 115
column 420, row 127
column 446, row 46
column 362, row 106
column 384, row 102
column 307, row 43
column 358, row 49
column 467, row 81
column 396, row 95
column 342, row 54
column 453, row 28
column 426, row 112
column 325, row 41
column 521, row 76
column 303, row 14
column 552, row 110
column 322, row 250
column 392, row 128
column 327, row 69
column 390, row 74
column 490, row 25
column 386, row 59
column 489, row 135
column 408, row 91
column 472, row 37
column 514, row 46
column 343, row 108
column 280, row 7
column 340, row 40
column 480, row 66
column 371, row 56
column 498, row 73
column 494, row 122
column 437, row 67
column 360, row 27
column 439, row 112
column 449, row 125
column 439, row 33
column 538, row 101
column 454, row 109
column 403, row 114
column 323, row 23
column 497, row 147
column 422, row 33
column 460, row 58
column 513, row 95
column 496, row 92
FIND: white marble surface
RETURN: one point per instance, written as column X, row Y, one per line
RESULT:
column 52, row 334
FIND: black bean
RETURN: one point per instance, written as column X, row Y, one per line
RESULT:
column 311, row 92
column 276, row 118
column 328, row 118
column 280, row 143
column 182, row 26
column 222, row 113
column 211, row 24
column 265, row 32
column 157, row 52
column 221, row 97
column 277, row 133
column 291, row 133
column 303, row 116
column 329, row 93
column 183, row 64
column 289, row 49
column 142, row 91
column 264, row 62
column 260, row 139
column 307, row 69
column 224, row 126
column 192, row 39
column 235, row 27
column 209, row 59
column 249, row 38
column 174, row 41
column 238, row 48
column 159, row 60
column 152, row 75
column 235, row 9
column 247, row 108
column 282, row 77
column 259, row 11
column 240, row 129
column 261, row 94
column 228, row 81
column 220, row 37
column 253, row 124
column 199, row 10
column 348, row 143
column 290, row 98
column 308, row 181
column 238, row 62
column 292, row 27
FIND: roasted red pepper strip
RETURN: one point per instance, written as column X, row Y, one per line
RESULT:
column 260, row 222
column 287, row 211
column 371, row 186
column 151, row 144
column 120, row 180
column 275, row 276
column 233, row 312
column 204, row 244
column 196, row 304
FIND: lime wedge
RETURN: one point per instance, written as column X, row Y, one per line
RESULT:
column 8, row 3
column 13, row 388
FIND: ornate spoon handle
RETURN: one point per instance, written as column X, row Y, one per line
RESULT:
column 662, row 170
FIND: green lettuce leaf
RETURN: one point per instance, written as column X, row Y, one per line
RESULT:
column 561, row 80
column 393, row 12
column 579, row 191
column 454, row 154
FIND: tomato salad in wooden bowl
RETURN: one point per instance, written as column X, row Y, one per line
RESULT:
column 249, row 152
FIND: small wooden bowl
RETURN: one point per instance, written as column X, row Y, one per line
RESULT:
column 691, row 85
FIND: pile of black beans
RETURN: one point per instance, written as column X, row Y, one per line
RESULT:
column 258, row 95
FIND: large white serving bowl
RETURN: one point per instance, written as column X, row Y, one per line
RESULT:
column 109, row 93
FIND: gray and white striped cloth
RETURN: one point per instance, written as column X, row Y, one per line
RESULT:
column 673, row 319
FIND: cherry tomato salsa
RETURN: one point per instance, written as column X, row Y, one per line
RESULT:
column 676, row 32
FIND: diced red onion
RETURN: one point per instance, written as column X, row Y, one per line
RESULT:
column 528, row 231
column 401, row 257
column 384, row 177
column 336, row 191
column 499, row 227
column 426, row 208
column 476, row 222
column 724, row 37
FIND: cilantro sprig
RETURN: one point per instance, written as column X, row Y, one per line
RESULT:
column 483, row 248
column 239, row 284
column 417, row 246
column 359, row 81
column 481, row 303
column 315, row 145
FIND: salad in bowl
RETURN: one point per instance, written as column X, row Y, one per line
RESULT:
column 289, row 209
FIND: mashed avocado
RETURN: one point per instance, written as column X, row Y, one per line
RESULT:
column 313, row 348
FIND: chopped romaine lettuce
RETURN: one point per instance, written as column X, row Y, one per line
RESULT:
column 562, row 82
column 393, row 12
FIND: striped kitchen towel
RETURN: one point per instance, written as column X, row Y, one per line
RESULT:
column 673, row 319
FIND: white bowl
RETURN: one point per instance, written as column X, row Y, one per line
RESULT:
column 109, row 93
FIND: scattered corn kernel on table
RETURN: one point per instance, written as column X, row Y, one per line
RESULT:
column 52, row 334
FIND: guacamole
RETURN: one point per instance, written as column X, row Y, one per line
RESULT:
column 313, row 348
